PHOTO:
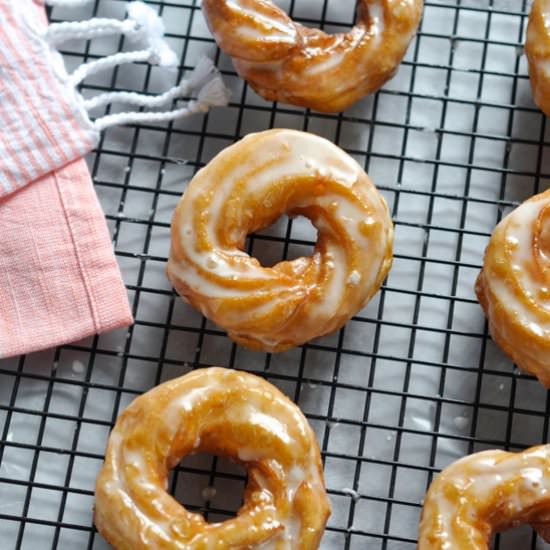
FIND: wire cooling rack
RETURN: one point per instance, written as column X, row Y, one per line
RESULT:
column 411, row 384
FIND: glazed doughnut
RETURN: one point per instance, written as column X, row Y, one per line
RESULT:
column 537, row 48
column 486, row 493
column 224, row 412
column 285, row 61
column 247, row 187
column 514, row 286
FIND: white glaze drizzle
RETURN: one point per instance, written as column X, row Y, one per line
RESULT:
column 323, row 61
column 377, row 27
column 277, row 30
column 354, row 278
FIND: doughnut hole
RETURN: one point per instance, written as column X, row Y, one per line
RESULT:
column 285, row 239
column 209, row 485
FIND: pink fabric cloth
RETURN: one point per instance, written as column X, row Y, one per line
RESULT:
column 59, row 280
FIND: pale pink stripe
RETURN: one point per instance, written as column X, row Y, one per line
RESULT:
column 41, row 126
column 12, row 116
column 47, row 127
column 5, row 183
column 10, row 176
column 15, row 155
column 24, row 128
column 18, row 121
column 30, row 65
column 89, row 142
column 82, row 135
column 19, row 105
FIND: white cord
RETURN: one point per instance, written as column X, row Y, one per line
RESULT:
column 203, row 72
column 109, row 62
column 136, row 117
column 57, row 33
column 214, row 93
column 143, row 22
column 133, row 98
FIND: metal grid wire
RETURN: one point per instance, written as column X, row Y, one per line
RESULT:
column 412, row 383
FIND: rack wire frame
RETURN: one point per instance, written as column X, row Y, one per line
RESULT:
column 346, row 529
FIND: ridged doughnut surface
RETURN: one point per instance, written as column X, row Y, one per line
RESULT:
column 514, row 286
column 285, row 61
column 228, row 413
column 486, row 493
column 247, row 187
column 537, row 48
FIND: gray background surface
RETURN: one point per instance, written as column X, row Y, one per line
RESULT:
column 411, row 384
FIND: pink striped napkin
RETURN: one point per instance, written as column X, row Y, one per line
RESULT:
column 42, row 124
column 59, row 280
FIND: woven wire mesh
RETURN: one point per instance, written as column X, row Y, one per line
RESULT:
column 411, row 383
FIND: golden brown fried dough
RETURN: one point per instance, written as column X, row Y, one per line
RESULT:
column 514, row 286
column 537, row 48
column 228, row 413
column 247, row 187
column 486, row 493
column 285, row 61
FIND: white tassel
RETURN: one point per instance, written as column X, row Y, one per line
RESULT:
column 203, row 72
column 153, row 32
column 213, row 94
column 143, row 23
